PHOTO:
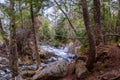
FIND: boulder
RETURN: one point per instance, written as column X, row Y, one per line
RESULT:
column 74, row 47
column 80, row 68
column 45, row 55
column 55, row 69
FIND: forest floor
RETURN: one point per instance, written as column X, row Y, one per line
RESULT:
column 109, row 69
column 107, row 66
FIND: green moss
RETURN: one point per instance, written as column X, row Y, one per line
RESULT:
column 1, row 38
column 28, row 62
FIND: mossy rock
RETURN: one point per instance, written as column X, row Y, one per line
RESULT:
column 29, row 62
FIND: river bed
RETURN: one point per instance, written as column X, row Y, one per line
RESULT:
column 59, row 53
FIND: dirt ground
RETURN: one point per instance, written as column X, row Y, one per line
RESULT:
column 107, row 66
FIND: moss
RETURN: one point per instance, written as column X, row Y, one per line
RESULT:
column 1, row 38
column 28, row 62
column 41, row 76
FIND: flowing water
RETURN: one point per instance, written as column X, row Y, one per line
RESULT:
column 59, row 53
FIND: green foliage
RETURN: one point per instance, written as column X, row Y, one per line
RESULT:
column 45, row 30
column 84, row 46
column 60, row 33
column 57, row 43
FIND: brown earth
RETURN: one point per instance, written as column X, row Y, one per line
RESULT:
column 107, row 66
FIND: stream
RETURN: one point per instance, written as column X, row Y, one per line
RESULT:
column 59, row 53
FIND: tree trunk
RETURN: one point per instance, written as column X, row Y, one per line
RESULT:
column 97, row 23
column 13, row 45
column 34, row 36
column 21, row 18
column 117, row 29
column 91, row 58
column 71, row 25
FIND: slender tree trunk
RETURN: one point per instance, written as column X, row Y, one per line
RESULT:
column 20, row 43
column 103, row 14
column 99, row 35
column 13, row 45
column 34, row 36
column 21, row 18
column 117, row 29
column 71, row 25
column 91, row 58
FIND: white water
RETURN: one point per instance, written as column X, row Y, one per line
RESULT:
column 60, row 53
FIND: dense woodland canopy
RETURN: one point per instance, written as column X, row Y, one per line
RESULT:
column 91, row 25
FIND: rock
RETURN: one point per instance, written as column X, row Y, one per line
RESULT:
column 2, row 72
column 74, row 47
column 4, row 61
column 19, row 77
column 2, row 66
column 55, row 69
column 45, row 54
column 27, row 73
column 28, row 67
column 80, row 68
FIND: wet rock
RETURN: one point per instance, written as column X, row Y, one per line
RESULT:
column 4, row 61
column 55, row 69
column 2, row 72
column 80, row 68
column 2, row 66
column 45, row 54
column 28, row 67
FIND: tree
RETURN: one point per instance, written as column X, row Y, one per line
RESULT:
column 13, row 45
column 97, row 23
column 71, row 25
column 117, row 29
column 34, row 35
column 21, row 15
column 91, row 58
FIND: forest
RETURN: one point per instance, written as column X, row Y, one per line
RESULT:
column 59, row 39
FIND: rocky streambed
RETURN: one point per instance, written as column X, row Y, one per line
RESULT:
column 56, row 65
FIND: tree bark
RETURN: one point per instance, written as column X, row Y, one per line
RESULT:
column 97, row 23
column 34, row 36
column 21, row 16
column 91, row 58
column 117, row 29
column 13, row 45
